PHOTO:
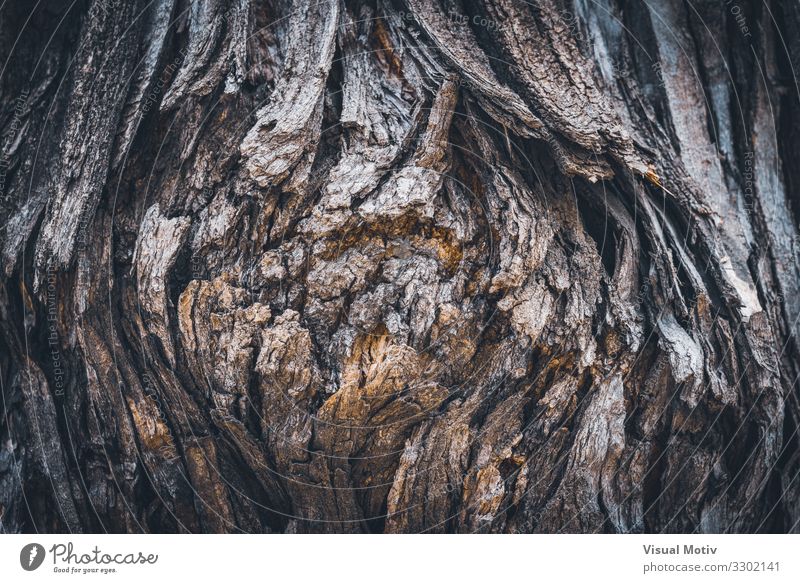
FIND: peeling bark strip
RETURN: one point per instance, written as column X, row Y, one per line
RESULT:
column 400, row 266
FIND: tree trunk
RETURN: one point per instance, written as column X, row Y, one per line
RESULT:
column 400, row 266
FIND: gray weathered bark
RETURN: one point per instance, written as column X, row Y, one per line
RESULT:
column 400, row 266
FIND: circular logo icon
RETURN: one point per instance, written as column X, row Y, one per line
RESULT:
column 31, row 556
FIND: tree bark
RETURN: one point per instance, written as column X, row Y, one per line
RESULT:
column 400, row 266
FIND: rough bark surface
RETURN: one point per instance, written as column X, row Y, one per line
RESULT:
column 399, row 266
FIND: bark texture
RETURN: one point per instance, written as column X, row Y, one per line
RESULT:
column 399, row 266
